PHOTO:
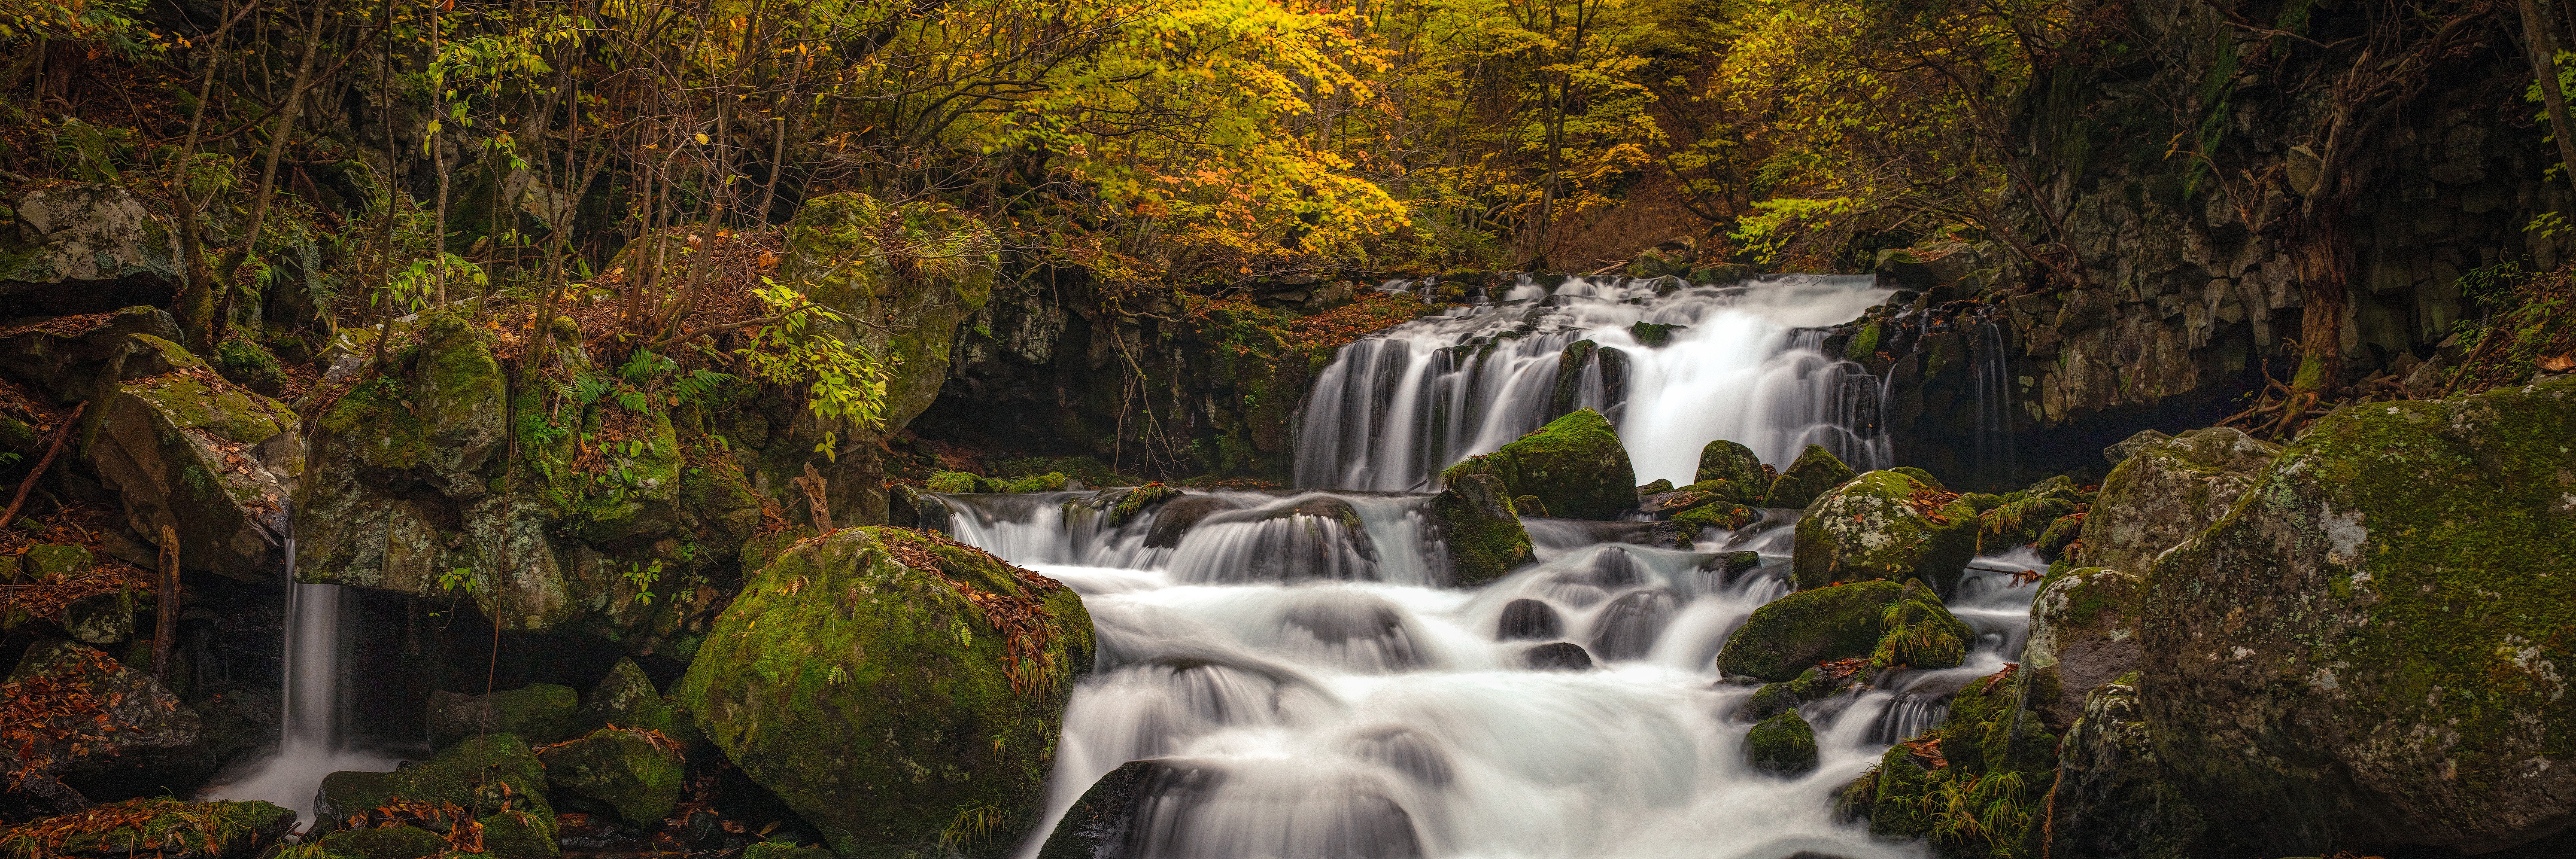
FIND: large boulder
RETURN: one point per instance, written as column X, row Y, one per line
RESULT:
column 905, row 275
column 1480, row 529
column 160, row 828
column 2166, row 491
column 1575, row 465
column 101, row 728
column 1814, row 473
column 2371, row 646
column 1737, row 471
column 1888, row 623
column 495, row 778
column 2083, row 633
column 894, row 688
column 2110, row 798
column 632, row 774
column 73, row 239
column 1885, row 525
column 187, row 450
column 626, row 699
column 538, row 713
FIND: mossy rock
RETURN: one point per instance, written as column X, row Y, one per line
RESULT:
column 2370, row 646
column 2064, row 532
column 1721, row 515
column 1776, row 698
column 244, row 363
column 153, row 441
column 49, row 560
column 538, row 713
column 784, row 850
column 962, row 483
column 2112, row 798
column 1899, row 810
column 1653, row 335
column 2166, row 490
column 1136, row 502
column 1737, row 466
column 1920, row 632
column 1814, row 473
column 1529, row 505
column 1782, row 745
column 173, row 829
column 2084, row 632
column 1053, row 481
column 397, row 842
column 484, row 775
column 2019, row 523
column 1789, row 635
column 626, row 699
column 1481, row 531
column 1869, row 528
column 1575, row 464
column 881, row 704
column 519, row 834
column 1920, row 476
column 627, row 773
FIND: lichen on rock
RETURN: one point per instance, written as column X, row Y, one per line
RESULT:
column 1885, row 525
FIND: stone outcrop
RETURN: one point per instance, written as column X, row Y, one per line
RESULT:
column 1885, row 525
column 1481, row 531
column 1575, row 465
column 2164, row 492
column 187, row 450
column 1887, row 623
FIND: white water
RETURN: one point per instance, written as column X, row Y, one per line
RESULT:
column 1394, row 409
column 1354, row 709
column 314, row 736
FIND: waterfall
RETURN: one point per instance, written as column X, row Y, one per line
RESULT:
column 1994, row 388
column 1316, row 690
column 314, row 739
column 1738, row 361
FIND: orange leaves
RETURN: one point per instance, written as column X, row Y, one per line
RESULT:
column 1927, row 500
column 1022, row 619
column 52, row 711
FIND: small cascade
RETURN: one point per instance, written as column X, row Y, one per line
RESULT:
column 1995, row 392
column 314, row 738
column 1673, row 365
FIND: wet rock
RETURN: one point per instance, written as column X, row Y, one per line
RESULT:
column 2083, row 633
column 1657, row 487
column 1133, row 503
column 155, row 746
column 1559, row 656
column 2167, row 491
column 628, row 773
column 185, row 449
column 1730, row 567
column 493, row 777
column 1653, row 335
column 1360, row 631
column 2110, row 797
column 834, row 692
column 1815, row 472
column 1628, row 626
column 1735, row 464
column 2018, row 523
column 1575, row 465
column 1782, row 745
column 1774, row 699
column 1101, row 823
column 1529, row 505
column 1407, row 751
column 2128, row 447
column 1179, row 515
column 1154, row 809
column 171, row 829
column 1528, row 619
column 2369, row 646
column 784, row 850
column 1481, row 531
column 1887, row 623
column 1884, row 525
column 626, row 699
column 538, row 713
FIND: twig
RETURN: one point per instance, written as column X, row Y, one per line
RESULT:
column 29, row 484
column 165, row 616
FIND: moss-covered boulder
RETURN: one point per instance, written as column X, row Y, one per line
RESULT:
column 913, row 272
column 1735, row 464
column 2018, row 523
column 1794, row 633
column 494, row 778
column 537, row 713
column 246, row 364
column 1885, row 525
column 1575, row 465
column 390, row 842
column 1814, row 473
column 183, row 448
column 139, row 739
column 2371, row 645
column 2165, row 491
column 1722, row 515
column 162, row 828
column 1136, row 502
column 626, row 699
column 895, row 689
column 1481, row 532
column 631, row 774
column 1776, row 698
column 2083, row 633
column 1782, row 745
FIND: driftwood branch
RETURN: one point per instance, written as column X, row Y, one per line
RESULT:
column 165, row 612
column 54, row 450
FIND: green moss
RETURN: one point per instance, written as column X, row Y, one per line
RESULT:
column 518, row 834
column 1529, row 505
column 1049, row 482
column 1920, row 632
column 538, row 712
column 1776, row 698
column 1815, row 473
column 962, row 483
column 471, row 774
column 1782, row 745
column 399, row 842
column 2019, row 523
column 1864, row 344
column 55, row 559
column 2062, row 532
column 1652, row 335
column 621, row 772
column 1869, row 528
column 1575, row 464
column 1139, row 500
column 1483, row 533
column 171, row 827
column 376, row 423
column 877, row 701
column 1739, row 471
column 1789, row 635
column 1658, row 487
column 1920, row 476
column 1720, row 515
column 244, row 363
column 1903, row 784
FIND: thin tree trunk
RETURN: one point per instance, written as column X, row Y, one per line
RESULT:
column 287, row 113
column 165, row 613
column 2541, row 41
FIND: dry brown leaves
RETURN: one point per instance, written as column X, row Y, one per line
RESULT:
column 1999, row 676
column 1926, row 750
column 1928, row 501
column 66, row 327
column 45, row 837
column 46, row 598
column 464, row 834
column 41, row 712
column 736, row 262
column 1841, row 668
column 1027, row 629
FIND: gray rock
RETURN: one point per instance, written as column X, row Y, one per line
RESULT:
column 2130, row 446
column 2167, row 491
column 2083, row 633
column 185, row 449
column 98, row 232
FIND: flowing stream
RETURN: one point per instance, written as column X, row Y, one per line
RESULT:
column 1307, row 648
column 1740, row 363
column 314, row 738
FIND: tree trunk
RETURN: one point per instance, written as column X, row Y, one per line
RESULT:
column 2541, row 42
column 165, row 612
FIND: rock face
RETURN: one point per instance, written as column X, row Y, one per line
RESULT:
column 2111, row 799
column 1891, row 624
column 155, row 745
column 1575, row 465
column 188, row 450
column 2083, row 633
column 855, row 678
column 1481, row 530
column 2165, row 492
column 1885, row 525
column 74, row 238
column 2371, row 646
column 1815, row 472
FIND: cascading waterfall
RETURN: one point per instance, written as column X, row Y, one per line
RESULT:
column 1740, row 363
column 314, row 739
column 1318, row 691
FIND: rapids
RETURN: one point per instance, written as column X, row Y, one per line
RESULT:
column 1304, row 652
